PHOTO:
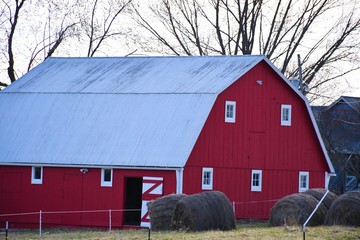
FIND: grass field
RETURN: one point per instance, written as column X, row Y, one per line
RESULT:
column 247, row 231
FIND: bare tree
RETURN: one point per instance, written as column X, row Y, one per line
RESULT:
column 48, row 32
column 14, row 13
column 277, row 29
column 36, row 30
column 59, row 26
column 99, row 23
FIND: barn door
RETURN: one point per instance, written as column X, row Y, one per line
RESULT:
column 152, row 188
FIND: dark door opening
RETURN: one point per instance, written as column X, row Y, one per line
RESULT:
column 133, row 191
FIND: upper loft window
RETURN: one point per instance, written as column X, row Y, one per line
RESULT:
column 303, row 181
column 106, row 177
column 36, row 175
column 207, row 179
column 230, row 111
column 256, row 179
column 285, row 115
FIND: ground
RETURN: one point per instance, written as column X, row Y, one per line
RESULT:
column 247, row 231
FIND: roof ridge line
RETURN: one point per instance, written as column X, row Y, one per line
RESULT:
column 115, row 93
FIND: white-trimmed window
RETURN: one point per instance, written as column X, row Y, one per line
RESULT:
column 36, row 175
column 106, row 177
column 285, row 115
column 230, row 111
column 207, row 179
column 303, row 181
column 256, row 180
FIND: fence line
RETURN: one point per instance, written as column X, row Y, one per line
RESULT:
column 264, row 201
column 234, row 203
column 251, row 202
column 68, row 212
column 18, row 214
column 109, row 211
column 41, row 213
column 92, row 211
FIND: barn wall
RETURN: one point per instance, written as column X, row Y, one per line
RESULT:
column 257, row 141
column 67, row 189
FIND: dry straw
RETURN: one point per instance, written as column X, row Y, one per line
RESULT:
column 161, row 211
column 295, row 209
column 318, row 193
column 204, row 211
column 345, row 210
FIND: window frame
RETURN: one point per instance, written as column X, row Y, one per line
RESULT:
column 307, row 175
column 35, row 180
column 106, row 183
column 232, row 118
column 253, row 187
column 207, row 186
column 285, row 122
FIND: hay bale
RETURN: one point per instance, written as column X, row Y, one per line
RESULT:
column 161, row 211
column 318, row 193
column 204, row 211
column 345, row 210
column 295, row 209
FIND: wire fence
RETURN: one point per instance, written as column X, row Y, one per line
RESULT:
column 41, row 215
column 237, row 207
column 241, row 207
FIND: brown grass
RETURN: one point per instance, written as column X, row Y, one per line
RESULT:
column 247, row 231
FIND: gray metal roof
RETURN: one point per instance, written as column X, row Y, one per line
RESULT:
column 156, row 130
column 209, row 74
column 125, row 112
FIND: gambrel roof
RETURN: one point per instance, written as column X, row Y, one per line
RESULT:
column 120, row 112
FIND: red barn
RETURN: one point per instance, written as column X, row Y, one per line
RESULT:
column 89, row 141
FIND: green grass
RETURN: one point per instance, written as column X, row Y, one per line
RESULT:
column 249, row 231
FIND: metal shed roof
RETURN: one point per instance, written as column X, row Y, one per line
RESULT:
column 156, row 130
column 209, row 74
column 125, row 112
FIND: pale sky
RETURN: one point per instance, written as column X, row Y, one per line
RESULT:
column 120, row 49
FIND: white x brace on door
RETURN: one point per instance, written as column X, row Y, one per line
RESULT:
column 152, row 188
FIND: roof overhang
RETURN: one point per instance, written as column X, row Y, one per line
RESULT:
column 158, row 168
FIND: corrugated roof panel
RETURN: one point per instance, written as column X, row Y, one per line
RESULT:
column 128, row 111
column 150, row 130
column 207, row 74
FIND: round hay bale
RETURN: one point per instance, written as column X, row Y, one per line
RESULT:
column 204, row 211
column 318, row 193
column 295, row 209
column 345, row 210
column 161, row 211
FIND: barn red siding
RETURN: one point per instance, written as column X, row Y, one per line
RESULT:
column 257, row 141
column 67, row 189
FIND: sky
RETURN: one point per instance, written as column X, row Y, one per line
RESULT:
column 120, row 49
column 354, row 80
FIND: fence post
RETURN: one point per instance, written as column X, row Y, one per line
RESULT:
column 233, row 203
column 312, row 213
column 109, row 219
column 40, row 224
column 6, row 230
